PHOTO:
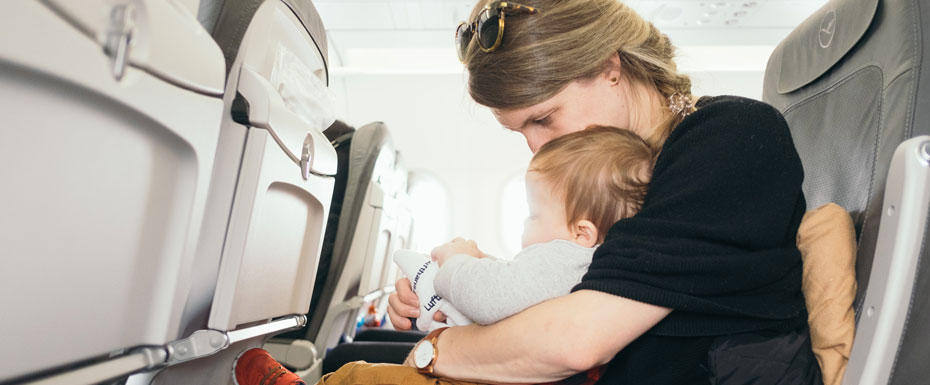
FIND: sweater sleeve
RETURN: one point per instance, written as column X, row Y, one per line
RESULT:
column 715, row 239
column 489, row 290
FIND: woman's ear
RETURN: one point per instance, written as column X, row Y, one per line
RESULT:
column 584, row 233
column 612, row 70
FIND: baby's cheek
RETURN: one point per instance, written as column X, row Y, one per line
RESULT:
column 528, row 235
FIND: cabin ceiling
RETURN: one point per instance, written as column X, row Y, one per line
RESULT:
column 360, row 29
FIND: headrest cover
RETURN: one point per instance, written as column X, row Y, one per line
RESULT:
column 822, row 40
column 308, row 15
column 228, row 20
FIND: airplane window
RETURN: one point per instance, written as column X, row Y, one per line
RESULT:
column 514, row 211
column 430, row 209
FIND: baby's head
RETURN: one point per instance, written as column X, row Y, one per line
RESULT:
column 580, row 184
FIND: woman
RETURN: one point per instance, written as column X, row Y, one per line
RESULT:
column 700, row 284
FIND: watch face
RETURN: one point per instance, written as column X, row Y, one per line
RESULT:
column 423, row 354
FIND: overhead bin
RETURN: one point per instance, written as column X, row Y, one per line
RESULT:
column 111, row 120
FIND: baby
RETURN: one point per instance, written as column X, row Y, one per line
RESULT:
column 578, row 185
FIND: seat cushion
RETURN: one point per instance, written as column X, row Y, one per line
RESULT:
column 827, row 242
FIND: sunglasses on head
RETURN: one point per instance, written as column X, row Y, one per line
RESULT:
column 488, row 26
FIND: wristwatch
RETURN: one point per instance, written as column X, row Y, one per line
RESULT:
column 426, row 351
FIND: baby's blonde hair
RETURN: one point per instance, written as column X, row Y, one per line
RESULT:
column 601, row 173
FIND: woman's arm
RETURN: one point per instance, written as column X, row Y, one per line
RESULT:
column 488, row 291
column 546, row 342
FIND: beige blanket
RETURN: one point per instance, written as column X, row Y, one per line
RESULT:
column 827, row 242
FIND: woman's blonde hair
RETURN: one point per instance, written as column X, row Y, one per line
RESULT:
column 601, row 173
column 569, row 40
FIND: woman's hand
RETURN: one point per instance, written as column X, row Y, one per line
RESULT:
column 403, row 303
column 457, row 246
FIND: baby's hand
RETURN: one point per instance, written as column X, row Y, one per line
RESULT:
column 457, row 246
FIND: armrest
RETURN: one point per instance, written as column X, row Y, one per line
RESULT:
column 888, row 302
column 295, row 354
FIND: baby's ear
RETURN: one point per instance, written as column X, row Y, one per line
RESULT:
column 584, row 233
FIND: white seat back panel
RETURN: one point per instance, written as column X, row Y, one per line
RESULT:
column 279, row 212
column 274, row 238
column 400, row 218
column 165, row 36
column 104, row 190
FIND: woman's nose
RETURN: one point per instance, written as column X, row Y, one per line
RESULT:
column 534, row 140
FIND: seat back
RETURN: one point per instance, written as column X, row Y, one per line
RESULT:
column 271, row 188
column 400, row 212
column 366, row 233
column 341, row 138
column 369, row 219
column 397, row 221
column 111, row 128
column 850, row 85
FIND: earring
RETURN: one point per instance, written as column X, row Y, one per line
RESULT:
column 680, row 104
column 614, row 80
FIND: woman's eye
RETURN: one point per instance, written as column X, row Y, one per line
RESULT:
column 542, row 121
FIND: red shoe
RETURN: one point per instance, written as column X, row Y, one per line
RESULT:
column 257, row 367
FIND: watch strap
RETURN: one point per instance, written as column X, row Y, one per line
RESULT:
column 433, row 338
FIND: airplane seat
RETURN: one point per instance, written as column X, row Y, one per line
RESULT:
column 112, row 112
column 271, row 186
column 208, row 12
column 373, row 221
column 850, row 83
column 340, row 135
column 401, row 216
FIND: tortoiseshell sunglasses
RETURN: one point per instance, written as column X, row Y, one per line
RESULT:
column 488, row 26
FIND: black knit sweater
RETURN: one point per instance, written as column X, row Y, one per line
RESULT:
column 714, row 241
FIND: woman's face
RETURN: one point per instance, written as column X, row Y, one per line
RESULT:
column 581, row 104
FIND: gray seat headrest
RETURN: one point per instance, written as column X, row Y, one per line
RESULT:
column 310, row 17
column 228, row 21
column 822, row 40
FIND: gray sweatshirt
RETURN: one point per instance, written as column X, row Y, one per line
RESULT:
column 488, row 290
